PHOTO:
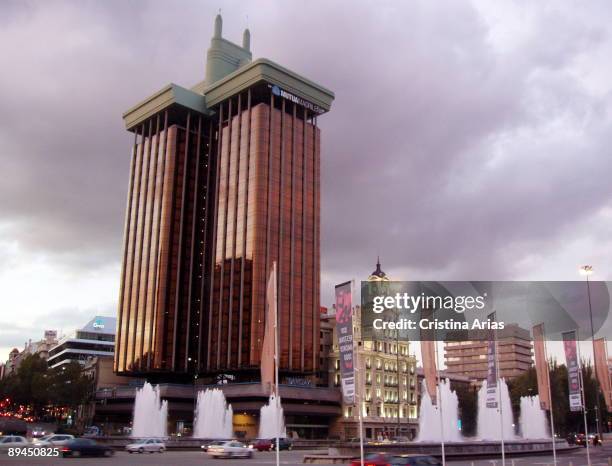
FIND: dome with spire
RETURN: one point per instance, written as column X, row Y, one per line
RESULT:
column 378, row 275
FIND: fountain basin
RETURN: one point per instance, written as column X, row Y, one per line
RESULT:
column 467, row 449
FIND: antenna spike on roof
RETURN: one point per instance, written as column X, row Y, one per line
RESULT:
column 218, row 25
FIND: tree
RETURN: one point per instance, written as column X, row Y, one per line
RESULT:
column 467, row 397
column 524, row 385
column 36, row 386
column 69, row 387
column 31, row 386
column 566, row 421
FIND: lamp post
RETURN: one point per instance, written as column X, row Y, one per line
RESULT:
column 587, row 271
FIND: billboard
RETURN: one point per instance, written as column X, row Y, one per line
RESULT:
column 344, row 330
column 491, row 398
column 573, row 370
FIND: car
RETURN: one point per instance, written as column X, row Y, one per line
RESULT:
column 261, row 444
column 212, row 443
column 384, row 459
column 92, row 431
column 53, row 440
column 38, row 431
column 592, row 439
column 150, row 445
column 580, row 439
column 283, row 443
column 13, row 441
column 230, row 449
column 85, row 447
column 269, row 444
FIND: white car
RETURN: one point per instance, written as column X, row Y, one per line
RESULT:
column 230, row 449
column 53, row 440
column 151, row 445
column 13, row 441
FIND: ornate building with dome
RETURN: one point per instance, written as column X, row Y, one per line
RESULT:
column 386, row 381
column 378, row 275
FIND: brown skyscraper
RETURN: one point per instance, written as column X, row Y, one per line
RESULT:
column 224, row 180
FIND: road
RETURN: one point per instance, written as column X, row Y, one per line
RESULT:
column 599, row 457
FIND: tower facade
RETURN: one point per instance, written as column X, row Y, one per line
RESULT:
column 225, row 180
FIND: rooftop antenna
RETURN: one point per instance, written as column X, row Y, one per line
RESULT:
column 246, row 36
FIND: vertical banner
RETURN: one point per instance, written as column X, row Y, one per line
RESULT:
column 491, row 398
column 344, row 330
column 541, row 366
column 603, row 373
column 267, row 366
column 573, row 370
column 428, row 354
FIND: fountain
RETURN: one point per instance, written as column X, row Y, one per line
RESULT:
column 533, row 419
column 213, row 417
column 487, row 443
column 429, row 421
column 271, row 419
column 150, row 413
column 489, row 427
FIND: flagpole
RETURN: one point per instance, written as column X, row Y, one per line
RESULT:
column 276, row 388
column 499, row 401
column 357, row 376
column 439, row 391
column 586, row 431
column 550, row 408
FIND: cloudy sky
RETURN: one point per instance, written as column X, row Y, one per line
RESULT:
column 465, row 141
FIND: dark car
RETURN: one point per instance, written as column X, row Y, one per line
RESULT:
column 85, row 447
column 283, row 444
column 13, row 426
column 580, row 440
column 269, row 444
column 384, row 459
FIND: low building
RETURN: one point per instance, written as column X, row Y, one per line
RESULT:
column 40, row 347
column 308, row 410
column 469, row 358
column 100, row 372
column 12, row 363
column 94, row 340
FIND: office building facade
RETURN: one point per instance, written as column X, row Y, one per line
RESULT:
column 225, row 180
column 469, row 358
column 96, row 339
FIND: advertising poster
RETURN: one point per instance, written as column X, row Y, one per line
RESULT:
column 573, row 370
column 491, row 368
column 344, row 330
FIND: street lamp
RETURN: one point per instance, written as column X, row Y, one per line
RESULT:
column 587, row 271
